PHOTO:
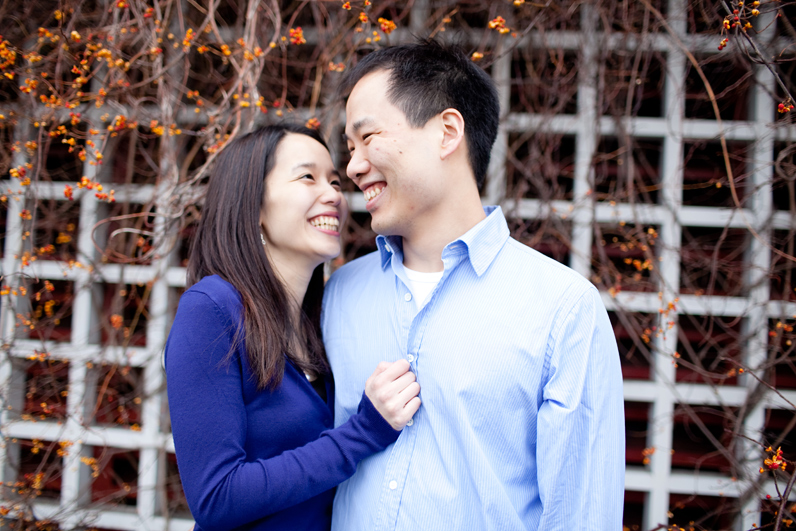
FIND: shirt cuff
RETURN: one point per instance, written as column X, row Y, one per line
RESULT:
column 378, row 428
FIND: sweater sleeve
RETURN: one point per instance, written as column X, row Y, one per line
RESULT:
column 223, row 487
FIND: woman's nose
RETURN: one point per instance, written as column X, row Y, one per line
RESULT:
column 331, row 195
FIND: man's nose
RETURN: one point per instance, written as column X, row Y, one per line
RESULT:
column 358, row 166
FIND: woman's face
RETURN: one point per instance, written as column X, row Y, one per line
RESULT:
column 303, row 208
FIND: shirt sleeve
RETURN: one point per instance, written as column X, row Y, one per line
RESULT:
column 580, row 424
column 223, row 488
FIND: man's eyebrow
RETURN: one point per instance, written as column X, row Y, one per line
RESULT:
column 359, row 124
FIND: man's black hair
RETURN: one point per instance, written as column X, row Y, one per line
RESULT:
column 428, row 77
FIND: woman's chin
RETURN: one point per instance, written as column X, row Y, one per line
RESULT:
column 332, row 256
column 322, row 258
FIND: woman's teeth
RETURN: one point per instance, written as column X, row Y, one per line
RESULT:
column 372, row 192
column 326, row 223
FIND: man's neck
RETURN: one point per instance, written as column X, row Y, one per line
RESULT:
column 422, row 248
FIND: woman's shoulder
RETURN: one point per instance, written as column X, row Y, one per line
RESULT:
column 214, row 290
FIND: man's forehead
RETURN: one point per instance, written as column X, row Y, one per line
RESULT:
column 365, row 99
column 371, row 88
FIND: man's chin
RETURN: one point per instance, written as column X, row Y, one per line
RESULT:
column 382, row 226
column 382, row 222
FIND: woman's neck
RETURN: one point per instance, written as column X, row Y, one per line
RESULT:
column 295, row 277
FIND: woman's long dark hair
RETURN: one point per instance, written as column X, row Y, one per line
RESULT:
column 227, row 243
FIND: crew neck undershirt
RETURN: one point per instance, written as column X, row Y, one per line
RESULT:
column 421, row 284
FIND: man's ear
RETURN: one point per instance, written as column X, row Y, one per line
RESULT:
column 452, row 132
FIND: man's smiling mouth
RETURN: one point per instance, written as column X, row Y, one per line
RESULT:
column 374, row 190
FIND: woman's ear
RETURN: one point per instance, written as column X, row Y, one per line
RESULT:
column 452, row 132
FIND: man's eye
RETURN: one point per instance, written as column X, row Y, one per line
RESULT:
column 307, row 176
column 365, row 136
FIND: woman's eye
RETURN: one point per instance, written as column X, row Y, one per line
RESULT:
column 337, row 183
column 308, row 176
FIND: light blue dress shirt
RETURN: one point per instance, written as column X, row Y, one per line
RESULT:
column 521, row 424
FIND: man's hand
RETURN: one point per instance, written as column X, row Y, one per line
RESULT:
column 393, row 391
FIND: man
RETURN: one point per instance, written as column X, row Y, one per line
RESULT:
column 521, row 425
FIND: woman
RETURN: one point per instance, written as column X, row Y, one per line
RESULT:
column 250, row 392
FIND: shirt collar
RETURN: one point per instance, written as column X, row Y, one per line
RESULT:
column 389, row 245
column 481, row 243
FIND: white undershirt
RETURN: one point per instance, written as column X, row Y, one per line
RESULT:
column 421, row 284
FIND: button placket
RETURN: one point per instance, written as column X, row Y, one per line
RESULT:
column 393, row 484
column 395, row 474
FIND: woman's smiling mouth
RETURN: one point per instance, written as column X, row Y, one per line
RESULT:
column 326, row 223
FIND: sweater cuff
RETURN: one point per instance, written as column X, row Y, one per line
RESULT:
column 378, row 428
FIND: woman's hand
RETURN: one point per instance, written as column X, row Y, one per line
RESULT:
column 393, row 391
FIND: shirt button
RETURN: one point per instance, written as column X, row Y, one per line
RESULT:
column 389, row 249
column 410, row 422
column 393, row 485
column 408, row 297
column 410, row 358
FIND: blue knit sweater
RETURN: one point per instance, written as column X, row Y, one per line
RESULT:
column 251, row 459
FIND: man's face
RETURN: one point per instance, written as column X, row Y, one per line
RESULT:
column 391, row 162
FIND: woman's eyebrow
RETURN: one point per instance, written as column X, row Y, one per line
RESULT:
column 308, row 165
column 311, row 166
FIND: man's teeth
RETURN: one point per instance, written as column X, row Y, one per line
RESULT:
column 372, row 192
column 326, row 223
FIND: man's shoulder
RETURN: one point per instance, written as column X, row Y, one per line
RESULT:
column 537, row 267
column 349, row 286
column 355, row 269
